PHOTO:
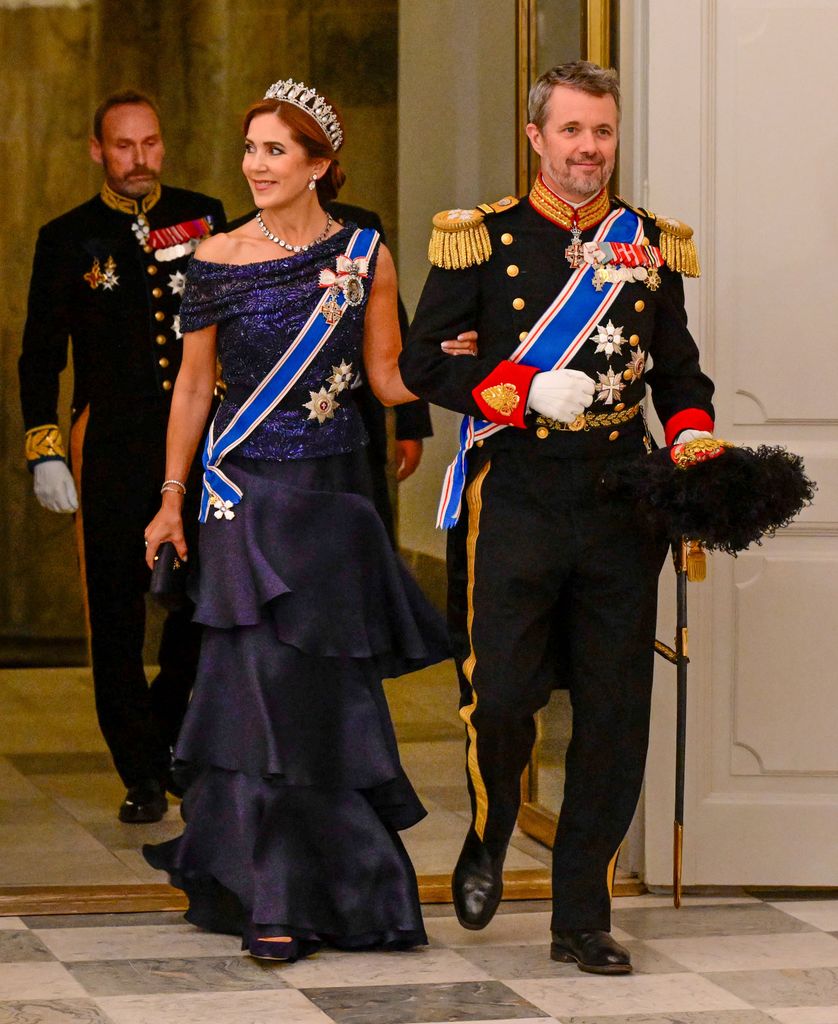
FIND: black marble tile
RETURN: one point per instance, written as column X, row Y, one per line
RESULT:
column 45, row 921
column 52, row 1011
column 691, row 922
column 19, row 946
column 815, row 986
column 200, row 974
column 407, row 1004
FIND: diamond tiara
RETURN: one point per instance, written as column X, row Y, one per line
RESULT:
column 314, row 105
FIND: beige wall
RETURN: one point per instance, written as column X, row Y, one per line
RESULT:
column 456, row 148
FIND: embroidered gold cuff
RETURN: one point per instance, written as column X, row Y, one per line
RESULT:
column 44, row 442
column 503, row 398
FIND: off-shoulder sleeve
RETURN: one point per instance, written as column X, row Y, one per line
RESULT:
column 210, row 295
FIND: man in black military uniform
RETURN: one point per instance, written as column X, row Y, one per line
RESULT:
column 412, row 419
column 110, row 275
column 578, row 304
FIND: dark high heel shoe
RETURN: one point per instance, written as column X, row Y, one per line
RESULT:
column 281, row 948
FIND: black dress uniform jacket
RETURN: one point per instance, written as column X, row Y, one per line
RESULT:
column 100, row 286
column 503, row 298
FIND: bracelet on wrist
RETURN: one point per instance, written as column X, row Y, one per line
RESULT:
column 178, row 486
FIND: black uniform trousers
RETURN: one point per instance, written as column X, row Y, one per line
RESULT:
column 121, row 475
column 554, row 584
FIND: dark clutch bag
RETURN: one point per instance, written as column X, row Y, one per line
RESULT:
column 168, row 578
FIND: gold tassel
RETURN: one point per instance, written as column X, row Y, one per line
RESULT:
column 677, row 247
column 696, row 562
column 459, row 241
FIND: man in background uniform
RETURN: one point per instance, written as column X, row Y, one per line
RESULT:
column 578, row 303
column 109, row 275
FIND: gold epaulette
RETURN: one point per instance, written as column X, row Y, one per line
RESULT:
column 460, row 238
column 678, row 247
column 44, row 442
column 676, row 242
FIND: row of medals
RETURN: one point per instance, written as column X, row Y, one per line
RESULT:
column 608, row 274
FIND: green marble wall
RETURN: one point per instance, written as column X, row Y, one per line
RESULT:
column 205, row 61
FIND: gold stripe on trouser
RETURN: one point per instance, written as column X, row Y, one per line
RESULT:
column 77, row 432
column 474, row 499
column 611, row 871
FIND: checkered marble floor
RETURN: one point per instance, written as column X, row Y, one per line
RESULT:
column 731, row 960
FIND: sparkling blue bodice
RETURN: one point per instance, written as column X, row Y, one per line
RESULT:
column 260, row 309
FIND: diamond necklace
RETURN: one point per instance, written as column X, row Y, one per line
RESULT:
column 293, row 248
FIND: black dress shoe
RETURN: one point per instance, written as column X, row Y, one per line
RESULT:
column 594, row 952
column 143, row 803
column 477, row 884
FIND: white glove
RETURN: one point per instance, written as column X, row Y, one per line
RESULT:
column 54, row 487
column 691, row 435
column 560, row 394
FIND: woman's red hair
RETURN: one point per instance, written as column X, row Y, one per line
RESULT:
column 308, row 133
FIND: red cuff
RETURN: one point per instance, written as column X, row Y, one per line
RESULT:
column 502, row 396
column 687, row 419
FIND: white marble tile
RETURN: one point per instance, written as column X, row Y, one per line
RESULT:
column 820, row 913
column 505, row 930
column 651, row 900
column 37, row 981
column 656, row 993
column 11, row 924
column 335, row 970
column 283, row 1006
column 164, row 942
column 803, row 1014
column 751, row 952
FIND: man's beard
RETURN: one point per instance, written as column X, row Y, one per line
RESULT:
column 575, row 182
column 139, row 182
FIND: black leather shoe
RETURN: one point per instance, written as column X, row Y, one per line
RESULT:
column 594, row 952
column 477, row 884
column 143, row 803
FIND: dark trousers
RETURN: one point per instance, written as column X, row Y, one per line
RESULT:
column 552, row 584
column 121, row 478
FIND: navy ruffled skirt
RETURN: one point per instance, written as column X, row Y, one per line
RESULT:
column 297, row 797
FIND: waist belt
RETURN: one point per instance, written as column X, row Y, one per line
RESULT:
column 587, row 421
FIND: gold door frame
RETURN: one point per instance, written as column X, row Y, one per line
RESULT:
column 597, row 43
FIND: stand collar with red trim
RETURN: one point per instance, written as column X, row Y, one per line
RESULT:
column 545, row 201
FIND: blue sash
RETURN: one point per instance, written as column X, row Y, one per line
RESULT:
column 557, row 336
column 218, row 490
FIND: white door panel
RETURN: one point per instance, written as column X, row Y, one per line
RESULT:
column 754, row 171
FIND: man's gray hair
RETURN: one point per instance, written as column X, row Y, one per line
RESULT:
column 578, row 74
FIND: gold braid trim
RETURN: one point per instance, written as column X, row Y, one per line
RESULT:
column 459, row 239
column 677, row 246
column 44, row 442
column 590, row 420
column 127, row 205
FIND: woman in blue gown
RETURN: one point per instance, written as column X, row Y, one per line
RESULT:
column 292, row 820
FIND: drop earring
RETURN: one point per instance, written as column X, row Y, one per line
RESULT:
column 312, row 185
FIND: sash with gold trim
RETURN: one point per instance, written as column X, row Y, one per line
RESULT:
column 557, row 336
column 218, row 490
